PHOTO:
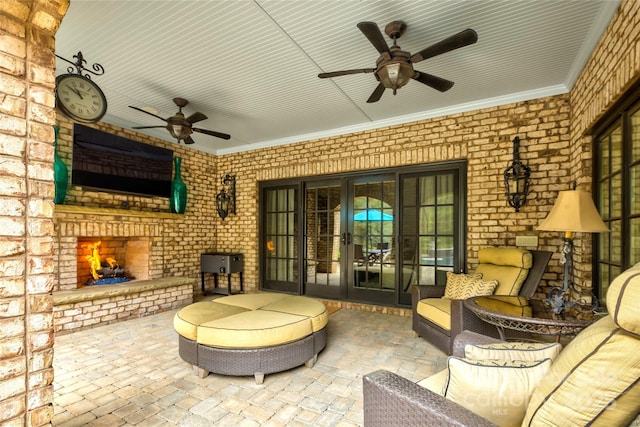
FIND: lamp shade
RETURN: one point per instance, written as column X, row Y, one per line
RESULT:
column 574, row 211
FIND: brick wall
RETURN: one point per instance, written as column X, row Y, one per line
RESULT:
column 484, row 137
column 27, row 115
column 177, row 240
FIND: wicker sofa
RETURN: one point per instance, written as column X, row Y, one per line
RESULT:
column 594, row 380
column 461, row 318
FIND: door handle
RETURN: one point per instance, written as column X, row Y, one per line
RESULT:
column 344, row 238
column 348, row 238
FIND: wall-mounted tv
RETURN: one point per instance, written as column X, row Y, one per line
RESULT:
column 109, row 162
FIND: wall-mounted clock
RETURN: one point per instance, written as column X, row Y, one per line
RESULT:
column 80, row 98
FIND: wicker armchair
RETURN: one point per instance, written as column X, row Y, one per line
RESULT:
column 461, row 317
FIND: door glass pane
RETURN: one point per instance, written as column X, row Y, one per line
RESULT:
column 634, row 244
column 322, row 235
column 280, row 236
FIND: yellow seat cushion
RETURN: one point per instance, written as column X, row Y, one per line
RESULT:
column 188, row 318
column 254, row 329
column 594, row 380
column 508, row 304
column 251, row 301
column 302, row 306
column 436, row 310
column 509, row 266
column 436, row 382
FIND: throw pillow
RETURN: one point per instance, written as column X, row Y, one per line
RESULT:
column 497, row 390
column 463, row 286
column 529, row 351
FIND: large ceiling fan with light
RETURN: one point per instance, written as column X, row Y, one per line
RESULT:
column 180, row 127
column 394, row 67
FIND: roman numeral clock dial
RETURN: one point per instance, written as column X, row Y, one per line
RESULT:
column 79, row 98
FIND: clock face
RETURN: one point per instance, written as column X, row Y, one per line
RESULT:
column 80, row 98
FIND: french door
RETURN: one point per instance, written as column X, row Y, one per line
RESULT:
column 363, row 237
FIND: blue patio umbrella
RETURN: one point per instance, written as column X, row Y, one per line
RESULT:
column 372, row 215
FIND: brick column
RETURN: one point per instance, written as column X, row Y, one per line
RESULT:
column 27, row 79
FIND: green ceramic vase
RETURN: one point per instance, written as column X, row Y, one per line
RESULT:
column 60, row 173
column 178, row 200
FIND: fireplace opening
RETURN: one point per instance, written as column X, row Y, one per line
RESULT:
column 111, row 260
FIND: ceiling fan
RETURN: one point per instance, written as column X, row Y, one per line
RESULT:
column 394, row 67
column 180, row 127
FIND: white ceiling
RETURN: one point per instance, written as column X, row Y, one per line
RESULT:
column 252, row 66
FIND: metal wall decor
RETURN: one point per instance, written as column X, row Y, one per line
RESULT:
column 226, row 198
column 516, row 179
column 78, row 66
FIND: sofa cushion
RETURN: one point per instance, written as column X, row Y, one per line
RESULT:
column 498, row 390
column 302, row 306
column 622, row 300
column 187, row 319
column 594, row 381
column 254, row 329
column 463, row 286
column 509, row 266
column 437, row 382
column 528, row 351
column 436, row 310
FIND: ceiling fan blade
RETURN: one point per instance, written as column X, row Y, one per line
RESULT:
column 148, row 127
column 345, row 72
column 146, row 112
column 212, row 133
column 188, row 140
column 196, row 117
column 372, row 32
column 377, row 93
column 463, row 38
column 438, row 83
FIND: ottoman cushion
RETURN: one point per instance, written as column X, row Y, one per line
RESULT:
column 187, row 319
column 254, row 329
column 251, row 301
column 302, row 306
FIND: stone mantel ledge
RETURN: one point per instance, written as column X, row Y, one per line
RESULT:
column 90, row 293
column 89, row 210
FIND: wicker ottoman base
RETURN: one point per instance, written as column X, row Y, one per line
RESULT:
column 256, row 362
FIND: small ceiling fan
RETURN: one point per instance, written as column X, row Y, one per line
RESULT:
column 394, row 67
column 180, row 127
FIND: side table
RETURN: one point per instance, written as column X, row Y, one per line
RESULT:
column 531, row 325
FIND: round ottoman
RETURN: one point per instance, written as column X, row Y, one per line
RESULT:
column 251, row 334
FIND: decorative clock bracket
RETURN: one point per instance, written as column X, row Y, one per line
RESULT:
column 98, row 70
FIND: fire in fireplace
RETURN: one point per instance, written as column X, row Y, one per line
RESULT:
column 105, row 271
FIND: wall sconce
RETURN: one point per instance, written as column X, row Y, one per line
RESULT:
column 226, row 198
column 516, row 179
column 574, row 211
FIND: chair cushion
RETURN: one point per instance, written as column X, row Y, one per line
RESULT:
column 463, row 286
column 497, row 390
column 529, row 351
column 508, row 304
column 436, row 310
column 594, row 381
column 622, row 300
column 509, row 266
column 436, row 382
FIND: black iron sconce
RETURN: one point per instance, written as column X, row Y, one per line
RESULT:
column 516, row 179
column 226, row 198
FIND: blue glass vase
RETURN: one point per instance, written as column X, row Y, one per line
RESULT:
column 60, row 173
column 178, row 199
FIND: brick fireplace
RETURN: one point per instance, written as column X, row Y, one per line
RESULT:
column 138, row 241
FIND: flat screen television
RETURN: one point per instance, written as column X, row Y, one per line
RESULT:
column 110, row 162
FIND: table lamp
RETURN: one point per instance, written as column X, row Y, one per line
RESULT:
column 573, row 212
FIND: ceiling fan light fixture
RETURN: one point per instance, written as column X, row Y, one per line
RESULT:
column 179, row 131
column 395, row 75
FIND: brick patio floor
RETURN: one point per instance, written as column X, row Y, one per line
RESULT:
column 130, row 374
